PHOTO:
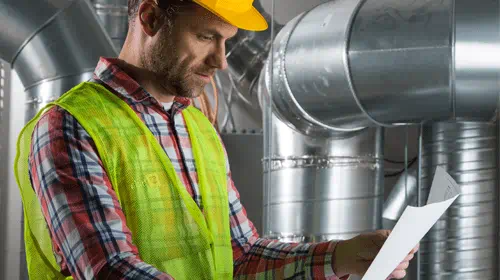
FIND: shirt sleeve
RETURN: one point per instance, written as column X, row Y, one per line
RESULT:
column 86, row 223
column 260, row 258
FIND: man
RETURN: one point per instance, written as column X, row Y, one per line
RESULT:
column 134, row 183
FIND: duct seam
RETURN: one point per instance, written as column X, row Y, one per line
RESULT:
column 39, row 30
column 87, row 70
column 347, row 67
column 292, row 112
column 320, row 162
column 282, row 64
column 111, row 9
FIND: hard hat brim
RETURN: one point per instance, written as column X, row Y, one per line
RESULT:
column 251, row 20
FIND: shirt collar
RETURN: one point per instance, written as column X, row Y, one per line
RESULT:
column 108, row 72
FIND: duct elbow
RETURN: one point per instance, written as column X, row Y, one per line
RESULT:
column 347, row 65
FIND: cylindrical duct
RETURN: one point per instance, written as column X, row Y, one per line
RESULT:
column 246, row 54
column 349, row 64
column 318, row 189
column 464, row 242
column 114, row 17
column 403, row 194
column 56, row 46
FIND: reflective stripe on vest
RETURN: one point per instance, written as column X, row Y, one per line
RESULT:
column 168, row 228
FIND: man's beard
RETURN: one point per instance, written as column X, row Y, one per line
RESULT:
column 162, row 60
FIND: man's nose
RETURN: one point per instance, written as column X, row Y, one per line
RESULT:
column 219, row 60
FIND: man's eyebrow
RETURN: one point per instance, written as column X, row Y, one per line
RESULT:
column 214, row 32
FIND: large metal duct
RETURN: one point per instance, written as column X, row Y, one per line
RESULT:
column 349, row 64
column 52, row 44
column 114, row 17
column 464, row 242
column 320, row 188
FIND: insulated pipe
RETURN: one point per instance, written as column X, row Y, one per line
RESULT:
column 52, row 44
column 350, row 64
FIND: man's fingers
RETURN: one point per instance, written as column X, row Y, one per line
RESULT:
column 409, row 258
column 415, row 249
column 403, row 266
column 398, row 274
column 383, row 232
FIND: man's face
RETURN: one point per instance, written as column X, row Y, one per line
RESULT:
column 186, row 55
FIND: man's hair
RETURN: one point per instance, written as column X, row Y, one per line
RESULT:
column 172, row 7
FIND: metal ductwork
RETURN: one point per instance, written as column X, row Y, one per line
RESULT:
column 320, row 188
column 52, row 44
column 246, row 54
column 464, row 242
column 403, row 193
column 114, row 17
column 350, row 64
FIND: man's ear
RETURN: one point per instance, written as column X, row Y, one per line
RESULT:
column 150, row 18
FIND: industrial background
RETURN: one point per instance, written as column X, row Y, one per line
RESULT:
column 334, row 119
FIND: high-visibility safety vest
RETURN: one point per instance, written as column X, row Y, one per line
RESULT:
column 168, row 228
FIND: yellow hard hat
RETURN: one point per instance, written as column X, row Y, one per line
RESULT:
column 240, row 13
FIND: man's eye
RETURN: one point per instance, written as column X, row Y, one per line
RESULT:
column 205, row 38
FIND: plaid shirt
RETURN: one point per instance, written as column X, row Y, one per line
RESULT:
column 87, row 225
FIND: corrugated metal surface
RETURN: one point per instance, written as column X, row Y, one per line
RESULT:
column 463, row 244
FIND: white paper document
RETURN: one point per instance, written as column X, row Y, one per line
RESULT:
column 414, row 223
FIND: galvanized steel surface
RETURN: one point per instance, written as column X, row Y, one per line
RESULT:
column 61, row 48
column 114, row 17
column 351, row 64
column 464, row 242
column 403, row 194
column 22, row 19
column 246, row 54
column 318, row 189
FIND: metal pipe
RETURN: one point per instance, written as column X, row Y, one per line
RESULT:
column 56, row 46
column 114, row 17
column 402, row 194
column 464, row 242
column 350, row 64
column 309, row 178
column 246, row 55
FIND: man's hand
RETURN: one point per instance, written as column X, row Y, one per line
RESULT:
column 355, row 255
